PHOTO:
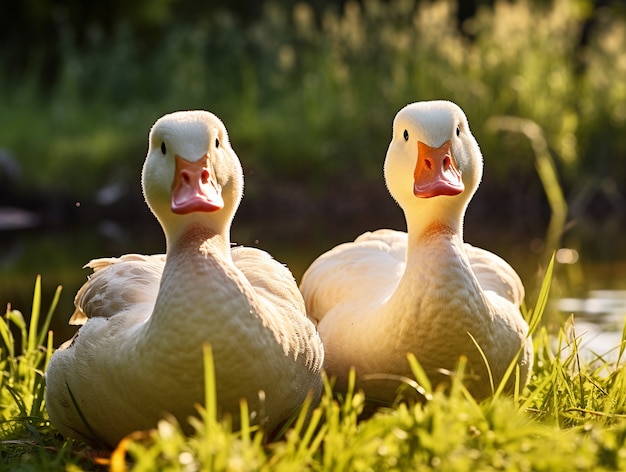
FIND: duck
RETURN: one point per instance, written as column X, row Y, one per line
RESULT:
column 423, row 291
column 144, row 320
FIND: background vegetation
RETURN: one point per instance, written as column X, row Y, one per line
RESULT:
column 308, row 90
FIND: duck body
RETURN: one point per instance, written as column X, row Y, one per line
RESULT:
column 145, row 319
column 425, row 291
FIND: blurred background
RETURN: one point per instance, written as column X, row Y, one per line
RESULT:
column 308, row 92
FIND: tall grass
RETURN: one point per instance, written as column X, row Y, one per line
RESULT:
column 24, row 354
column 572, row 416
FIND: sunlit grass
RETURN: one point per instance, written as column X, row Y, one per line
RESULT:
column 25, row 350
column 571, row 416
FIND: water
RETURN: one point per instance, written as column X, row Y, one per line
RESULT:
column 598, row 322
column 589, row 280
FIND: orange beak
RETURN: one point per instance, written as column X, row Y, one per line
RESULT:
column 194, row 188
column 436, row 172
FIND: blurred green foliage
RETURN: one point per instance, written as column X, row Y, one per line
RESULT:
column 308, row 91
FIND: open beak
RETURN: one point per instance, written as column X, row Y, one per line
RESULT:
column 436, row 172
column 194, row 187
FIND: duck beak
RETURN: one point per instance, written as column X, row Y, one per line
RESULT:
column 436, row 172
column 194, row 188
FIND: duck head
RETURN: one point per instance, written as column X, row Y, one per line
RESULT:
column 433, row 164
column 191, row 174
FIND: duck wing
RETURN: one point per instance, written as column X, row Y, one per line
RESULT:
column 494, row 274
column 282, row 306
column 117, row 285
column 366, row 270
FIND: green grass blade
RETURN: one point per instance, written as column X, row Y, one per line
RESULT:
column 17, row 319
column 49, row 350
column 423, row 382
column 43, row 331
column 7, row 336
column 34, row 316
column 210, row 388
column 246, row 431
column 622, row 345
column 542, row 299
column 308, row 439
column 36, row 409
column 19, row 401
column 486, row 362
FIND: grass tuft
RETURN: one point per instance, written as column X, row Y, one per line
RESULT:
column 571, row 416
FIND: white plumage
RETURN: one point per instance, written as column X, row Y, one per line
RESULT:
column 145, row 319
column 391, row 293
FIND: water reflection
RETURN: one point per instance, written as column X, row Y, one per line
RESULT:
column 598, row 322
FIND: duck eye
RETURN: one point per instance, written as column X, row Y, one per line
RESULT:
column 406, row 135
column 458, row 130
column 163, row 148
column 217, row 142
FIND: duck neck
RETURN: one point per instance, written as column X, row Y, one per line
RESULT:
column 434, row 247
column 198, row 273
column 198, row 241
column 423, row 226
column 438, row 280
column 197, row 267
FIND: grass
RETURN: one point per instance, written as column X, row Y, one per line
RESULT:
column 571, row 416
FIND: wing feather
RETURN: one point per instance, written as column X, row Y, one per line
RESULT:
column 117, row 285
column 373, row 265
column 277, row 290
column 495, row 274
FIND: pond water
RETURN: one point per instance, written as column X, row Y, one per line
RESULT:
column 598, row 322
column 589, row 280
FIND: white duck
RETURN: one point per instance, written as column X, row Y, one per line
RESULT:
column 391, row 293
column 139, row 353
